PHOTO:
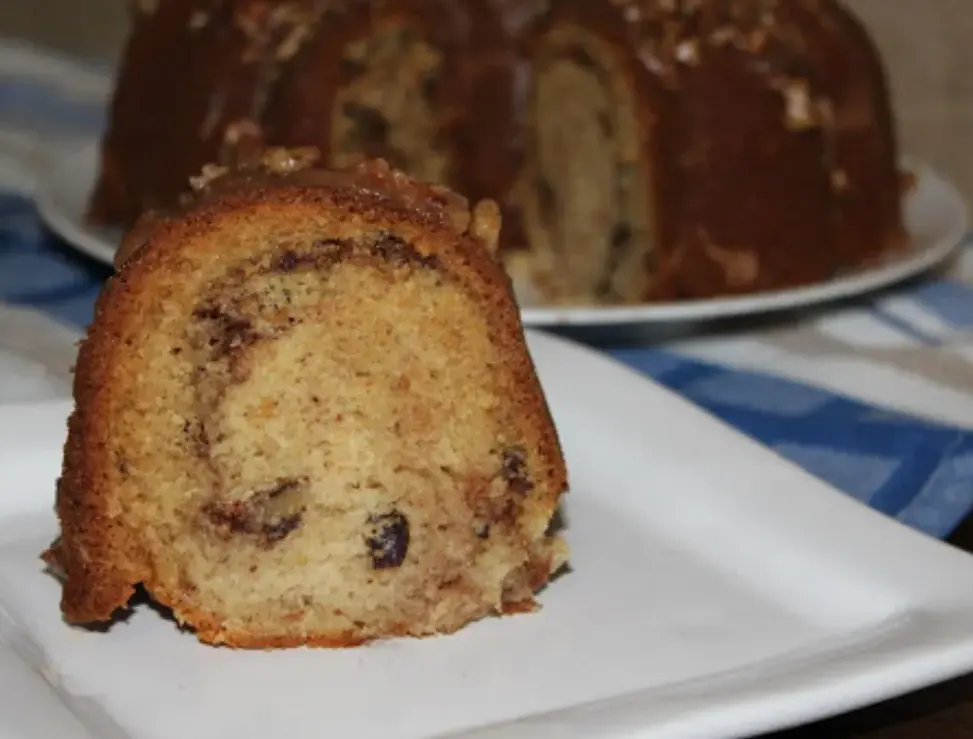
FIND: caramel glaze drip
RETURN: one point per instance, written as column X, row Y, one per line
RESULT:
column 736, row 96
column 243, row 62
column 480, row 110
column 267, row 72
column 273, row 167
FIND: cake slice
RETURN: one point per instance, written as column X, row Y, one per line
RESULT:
column 306, row 414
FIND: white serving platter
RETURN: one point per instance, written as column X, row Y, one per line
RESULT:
column 717, row 591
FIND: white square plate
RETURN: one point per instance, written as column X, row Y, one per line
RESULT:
column 717, row 591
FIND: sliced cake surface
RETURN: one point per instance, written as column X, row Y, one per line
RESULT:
column 306, row 414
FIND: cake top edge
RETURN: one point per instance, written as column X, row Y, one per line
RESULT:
column 371, row 179
column 665, row 34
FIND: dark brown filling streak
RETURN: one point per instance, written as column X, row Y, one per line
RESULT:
column 271, row 514
column 268, row 515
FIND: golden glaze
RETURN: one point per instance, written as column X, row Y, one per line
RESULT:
column 766, row 123
column 100, row 556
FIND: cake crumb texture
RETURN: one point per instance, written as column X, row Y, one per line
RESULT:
column 306, row 414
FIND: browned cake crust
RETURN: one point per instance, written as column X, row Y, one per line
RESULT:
column 640, row 150
column 738, row 146
column 161, row 482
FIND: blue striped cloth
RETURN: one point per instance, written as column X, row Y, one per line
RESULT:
column 918, row 471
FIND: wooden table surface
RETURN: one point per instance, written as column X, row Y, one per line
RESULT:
column 941, row 712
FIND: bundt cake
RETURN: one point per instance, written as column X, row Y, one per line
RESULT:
column 306, row 414
column 640, row 150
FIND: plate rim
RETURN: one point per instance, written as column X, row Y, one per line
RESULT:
column 860, row 282
column 56, row 160
column 943, row 650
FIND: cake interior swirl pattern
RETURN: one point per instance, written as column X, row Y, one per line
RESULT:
column 640, row 150
column 306, row 414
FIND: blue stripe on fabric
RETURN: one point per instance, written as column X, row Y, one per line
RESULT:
column 887, row 460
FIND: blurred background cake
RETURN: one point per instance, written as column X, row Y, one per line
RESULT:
column 642, row 150
column 315, row 383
